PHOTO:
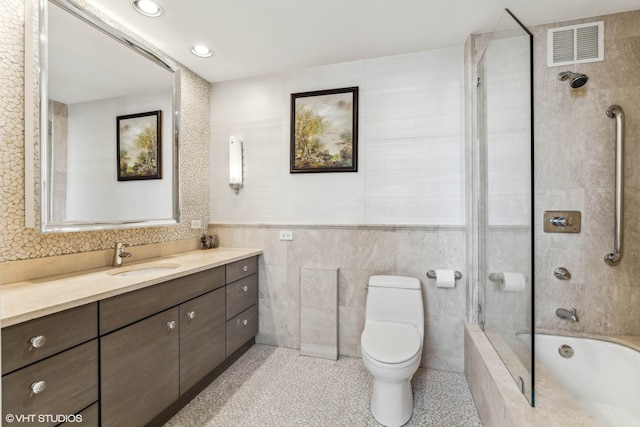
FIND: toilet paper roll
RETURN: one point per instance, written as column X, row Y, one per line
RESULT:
column 512, row 282
column 445, row 278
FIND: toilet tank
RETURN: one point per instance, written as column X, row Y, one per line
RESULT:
column 395, row 299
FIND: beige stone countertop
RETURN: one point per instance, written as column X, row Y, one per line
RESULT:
column 30, row 299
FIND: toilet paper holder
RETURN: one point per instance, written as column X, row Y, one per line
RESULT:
column 499, row 277
column 496, row 277
column 431, row 274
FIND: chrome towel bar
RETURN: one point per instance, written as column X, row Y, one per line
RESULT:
column 614, row 258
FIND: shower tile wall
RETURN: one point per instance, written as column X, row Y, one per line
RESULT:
column 358, row 252
column 574, row 157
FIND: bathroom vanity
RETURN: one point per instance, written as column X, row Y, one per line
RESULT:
column 143, row 344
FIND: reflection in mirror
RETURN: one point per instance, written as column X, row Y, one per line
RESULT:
column 91, row 74
column 505, row 221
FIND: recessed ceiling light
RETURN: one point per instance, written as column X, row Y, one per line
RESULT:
column 201, row 51
column 147, row 8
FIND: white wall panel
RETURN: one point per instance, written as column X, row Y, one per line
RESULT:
column 411, row 145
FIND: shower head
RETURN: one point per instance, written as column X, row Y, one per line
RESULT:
column 576, row 80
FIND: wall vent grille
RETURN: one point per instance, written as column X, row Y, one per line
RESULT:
column 575, row 44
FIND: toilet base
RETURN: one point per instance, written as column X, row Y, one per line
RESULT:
column 392, row 402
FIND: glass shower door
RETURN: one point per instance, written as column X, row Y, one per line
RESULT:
column 505, row 219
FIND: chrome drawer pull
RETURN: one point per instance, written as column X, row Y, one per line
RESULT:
column 37, row 342
column 245, row 322
column 245, row 268
column 38, row 387
column 245, row 288
column 171, row 324
column 191, row 314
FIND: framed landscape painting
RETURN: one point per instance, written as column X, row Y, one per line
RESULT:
column 324, row 131
column 139, row 146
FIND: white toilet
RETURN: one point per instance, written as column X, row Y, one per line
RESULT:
column 391, row 345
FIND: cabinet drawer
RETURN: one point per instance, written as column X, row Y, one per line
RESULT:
column 241, row 295
column 70, row 381
column 241, row 329
column 31, row 341
column 243, row 268
column 125, row 309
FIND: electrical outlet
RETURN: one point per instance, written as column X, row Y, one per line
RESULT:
column 286, row 235
column 196, row 223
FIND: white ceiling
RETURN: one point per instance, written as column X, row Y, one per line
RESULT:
column 257, row 37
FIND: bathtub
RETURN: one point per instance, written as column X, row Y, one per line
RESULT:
column 604, row 377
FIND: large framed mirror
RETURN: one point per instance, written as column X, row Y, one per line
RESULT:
column 109, row 126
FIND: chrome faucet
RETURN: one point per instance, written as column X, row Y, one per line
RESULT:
column 119, row 254
column 568, row 314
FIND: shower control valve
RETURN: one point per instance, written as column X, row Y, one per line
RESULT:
column 562, row 221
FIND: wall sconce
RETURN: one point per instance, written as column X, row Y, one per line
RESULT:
column 235, row 163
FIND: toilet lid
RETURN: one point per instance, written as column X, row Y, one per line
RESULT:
column 390, row 342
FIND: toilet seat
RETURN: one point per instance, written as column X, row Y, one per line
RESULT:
column 390, row 342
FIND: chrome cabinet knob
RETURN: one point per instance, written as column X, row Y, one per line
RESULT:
column 245, row 322
column 191, row 314
column 245, row 288
column 171, row 324
column 38, row 387
column 37, row 342
column 245, row 268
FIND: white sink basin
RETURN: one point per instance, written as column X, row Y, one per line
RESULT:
column 145, row 269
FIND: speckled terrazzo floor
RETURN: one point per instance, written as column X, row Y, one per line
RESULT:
column 275, row 386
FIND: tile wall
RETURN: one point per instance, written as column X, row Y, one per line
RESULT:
column 574, row 170
column 357, row 251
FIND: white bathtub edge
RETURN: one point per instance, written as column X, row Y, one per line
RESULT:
column 497, row 398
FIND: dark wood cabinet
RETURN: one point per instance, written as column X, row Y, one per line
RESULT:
column 202, row 337
column 50, row 366
column 133, row 359
column 242, row 303
column 125, row 309
column 139, row 367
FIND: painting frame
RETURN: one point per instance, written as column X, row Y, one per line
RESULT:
column 333, row 114
column 139, row 133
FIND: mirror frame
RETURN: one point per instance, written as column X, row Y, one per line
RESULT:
column 46, row 226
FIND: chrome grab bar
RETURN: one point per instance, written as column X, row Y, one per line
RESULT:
column 615, row 112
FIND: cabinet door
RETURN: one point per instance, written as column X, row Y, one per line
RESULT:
column 139, row 370
column 202, row 337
